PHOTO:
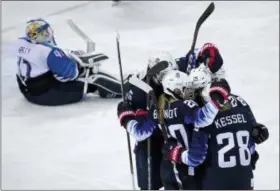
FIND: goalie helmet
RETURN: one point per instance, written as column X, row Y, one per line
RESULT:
column 39, row 31
column 162, row 57
column 178, row 85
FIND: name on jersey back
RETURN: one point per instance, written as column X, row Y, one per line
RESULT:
column 230, row 119
column 168, row 113
column 23, row 50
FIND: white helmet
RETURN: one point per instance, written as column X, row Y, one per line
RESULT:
column 177, row 84
column 200, row 77
column 162, row 57
column 39, row 31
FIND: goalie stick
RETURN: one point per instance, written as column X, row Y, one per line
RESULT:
column 78, row 31
column 90, row 47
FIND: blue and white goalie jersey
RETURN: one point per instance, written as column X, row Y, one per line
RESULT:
column 39, row 61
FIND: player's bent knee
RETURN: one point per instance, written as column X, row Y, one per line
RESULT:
column 55, row 98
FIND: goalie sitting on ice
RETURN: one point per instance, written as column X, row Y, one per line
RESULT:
column 47, row 75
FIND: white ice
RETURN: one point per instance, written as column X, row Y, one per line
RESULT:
column 82, row 146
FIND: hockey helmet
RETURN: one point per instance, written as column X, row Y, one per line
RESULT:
column 39, row 31
column 162, row 57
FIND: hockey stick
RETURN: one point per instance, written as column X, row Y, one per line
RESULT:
column 90, row 47
column 123, row 96
column 76, row 29
column 144, row 85
column 200, row 21
column 150, row 101
column 208, row 11
column 161, row 103
column 140, row 84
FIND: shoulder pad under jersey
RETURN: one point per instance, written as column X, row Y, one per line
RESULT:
column 238, row 102
column 135, row 96
column 186, row 107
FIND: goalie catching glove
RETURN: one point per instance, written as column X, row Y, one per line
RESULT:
column 87, row 60
column 107, row 84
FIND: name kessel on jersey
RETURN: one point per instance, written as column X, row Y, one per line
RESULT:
column 228, row 120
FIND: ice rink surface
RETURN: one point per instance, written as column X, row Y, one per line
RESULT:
column 82, row 146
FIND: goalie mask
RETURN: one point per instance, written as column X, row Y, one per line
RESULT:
column 178, row 85
column 162, row 57
column 39, row 31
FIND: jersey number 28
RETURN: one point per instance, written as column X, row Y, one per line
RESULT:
column 242, row 148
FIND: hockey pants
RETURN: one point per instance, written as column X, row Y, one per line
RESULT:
column 62, row 93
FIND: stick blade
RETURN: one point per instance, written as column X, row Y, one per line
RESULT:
column 208, row 11
column 157, row 68
column 140, row 84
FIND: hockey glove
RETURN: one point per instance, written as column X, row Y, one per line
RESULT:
column 125, row 113
column 260, row 133
column 172, row 151
column 254, row 158
column 87, row 60
column 77, row 52
column 191, row 61
column 74, row 53
column 219, row 92
column 211, row 57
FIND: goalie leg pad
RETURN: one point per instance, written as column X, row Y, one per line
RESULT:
column 106, row 82
column 103, row 93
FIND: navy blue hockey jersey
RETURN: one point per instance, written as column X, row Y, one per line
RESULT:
column 230, row 141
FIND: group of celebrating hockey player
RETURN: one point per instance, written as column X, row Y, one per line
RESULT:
column 202, row 136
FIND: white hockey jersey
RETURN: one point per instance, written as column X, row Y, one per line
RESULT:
column 34, row 60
